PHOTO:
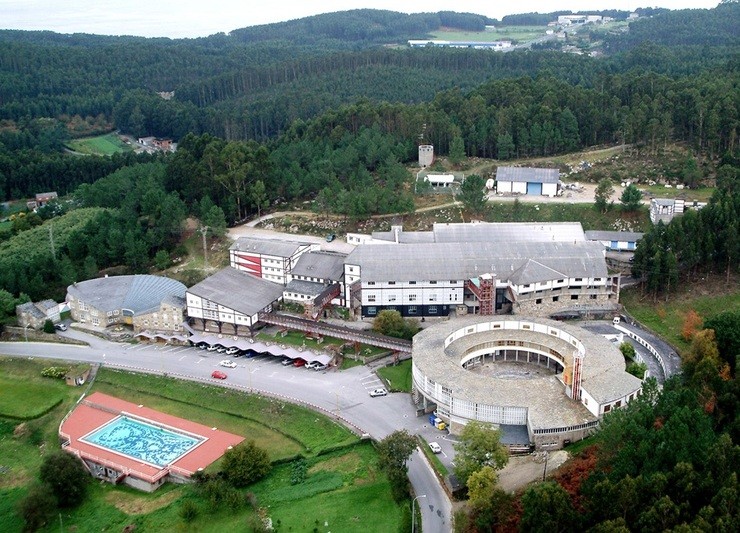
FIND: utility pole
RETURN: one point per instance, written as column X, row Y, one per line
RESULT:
column 51, row 241
column 204, row 233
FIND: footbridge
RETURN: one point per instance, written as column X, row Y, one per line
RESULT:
column 339, row 332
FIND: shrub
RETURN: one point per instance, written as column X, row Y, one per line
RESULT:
column 627, row 350
column 49, row 326
column 37, row 507
column 56, row 372
column 245, row 464
column 188, row 511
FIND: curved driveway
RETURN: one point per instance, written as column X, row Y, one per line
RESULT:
column 343, row 394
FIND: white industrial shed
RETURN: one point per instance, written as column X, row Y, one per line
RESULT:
column 532, row 181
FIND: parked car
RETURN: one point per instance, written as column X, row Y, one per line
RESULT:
column 287, row 361
column 436, row 448
column 312, row 364
column 232, row 351
column 60, row 327
column 227, row 363
column 202, row 345
column 330, row 237
column 378, row 392
column 320, row 366
column 299, row 362
column 217, row 374
column 221, row 349
column 212, row 347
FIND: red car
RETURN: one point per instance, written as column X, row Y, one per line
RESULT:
column 217, row 374
column 299, row 362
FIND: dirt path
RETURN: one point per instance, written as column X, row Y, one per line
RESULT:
column 523, row 470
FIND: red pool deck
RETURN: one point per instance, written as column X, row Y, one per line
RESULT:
column 98, row 409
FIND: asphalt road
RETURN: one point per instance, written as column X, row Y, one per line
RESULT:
column 341, row 394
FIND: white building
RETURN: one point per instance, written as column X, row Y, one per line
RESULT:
column 664, row 209
column 531, row 181
column 230, row 300
column 484, row 277
column 616, row 241
column 440, row 180
column 426, row 155
column 267, row 259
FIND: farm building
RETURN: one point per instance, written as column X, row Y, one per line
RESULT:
column 616, row 241
column 531, row 181
column 267, row 259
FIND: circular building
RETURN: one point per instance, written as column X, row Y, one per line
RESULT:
column 552, row 379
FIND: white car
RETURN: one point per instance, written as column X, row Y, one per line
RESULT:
column 212, row 348
column 436, row 448
column 227, row 363
column 232, row 351
column 378, row 392
column 312, row 364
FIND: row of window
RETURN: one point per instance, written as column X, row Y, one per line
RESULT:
column 372, row 298
column 452, row 281
column 572, row 297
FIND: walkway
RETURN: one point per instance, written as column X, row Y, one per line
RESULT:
column 339, row 332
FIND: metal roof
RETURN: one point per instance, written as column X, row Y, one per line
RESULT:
column 139, row 293
column 267, row 247
column 509, row 232
column 461, row 261
column 309, row 288
column 237, row 290
column 620, row 236
column 321, row 265
column 529, row 175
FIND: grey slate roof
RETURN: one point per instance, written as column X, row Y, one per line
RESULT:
column 139, row 293
column 529, row 175
column 31, row 309
column 310, row 288
column 404, row 237
column 461, row 261
column 237, row 290
column 322, row 265
column 509, row 232
column 620, row 236
column 603, row 371
column 267, row 247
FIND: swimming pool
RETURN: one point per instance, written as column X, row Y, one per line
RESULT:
column 143, row 441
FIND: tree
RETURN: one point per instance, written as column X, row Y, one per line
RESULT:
column 505, row 146
column 258, row 195
column 457, row 150
column 490, row 504
column 547, row 509
column 726, row 326
column 244, row 464
column 691, row 324
column 37, row 507
column 473, row 194
column 66, row 477
column 627, row 350
column 49, row 326
column 212, row 217
column 479, row 445
column 604, row 191
column 7, row 305
column 393, row 452
column 631, row 198
column 391, row 323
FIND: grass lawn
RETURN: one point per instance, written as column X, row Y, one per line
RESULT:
column 101, row 145
column 342, row 487
column 433, row 458
column 398, row 376
column 24, row 401
column 513, row 33
column 590, row 218
column 708, row 298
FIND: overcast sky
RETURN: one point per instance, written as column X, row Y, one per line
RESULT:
column 199, row 18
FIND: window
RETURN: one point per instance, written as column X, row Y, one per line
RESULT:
column 372, row 311
column 392, row 298
column 432, row 283
column 391, row 283
column 412, row 283
column 432, row 297
column 597, row 279
column 592, row 296
column 371, row 298
column 607, row 408
column 413, row 310
column 527, row 285
column 578, row 279
column 412, row 297
column 573, row 296
column 560, row 281
column 555, row 298
column 538, row 301
column 432, row 310
column 371, row 283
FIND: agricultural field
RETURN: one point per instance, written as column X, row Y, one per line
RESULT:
column 108, row 144
column 518, row 34
column 339, row 483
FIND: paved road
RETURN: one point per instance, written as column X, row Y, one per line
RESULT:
column 343, row 394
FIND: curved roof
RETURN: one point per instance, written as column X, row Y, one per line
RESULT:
column 138, row 294
column 603, row 371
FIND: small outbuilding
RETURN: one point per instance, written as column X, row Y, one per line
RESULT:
column 531, row 181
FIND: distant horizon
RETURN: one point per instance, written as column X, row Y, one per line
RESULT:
column 193, row 18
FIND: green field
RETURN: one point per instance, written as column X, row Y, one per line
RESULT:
column 514, row 33
column 101, row 145
column 28, row 400
column 343, row 486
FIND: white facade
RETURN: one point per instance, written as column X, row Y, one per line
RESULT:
column 426, row 155
column 208, row 310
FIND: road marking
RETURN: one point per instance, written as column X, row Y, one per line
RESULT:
column 198, row 361
column 183, row 357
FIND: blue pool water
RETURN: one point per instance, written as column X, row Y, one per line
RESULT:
column 142, row 441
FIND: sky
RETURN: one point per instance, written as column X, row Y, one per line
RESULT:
column 200, row 18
